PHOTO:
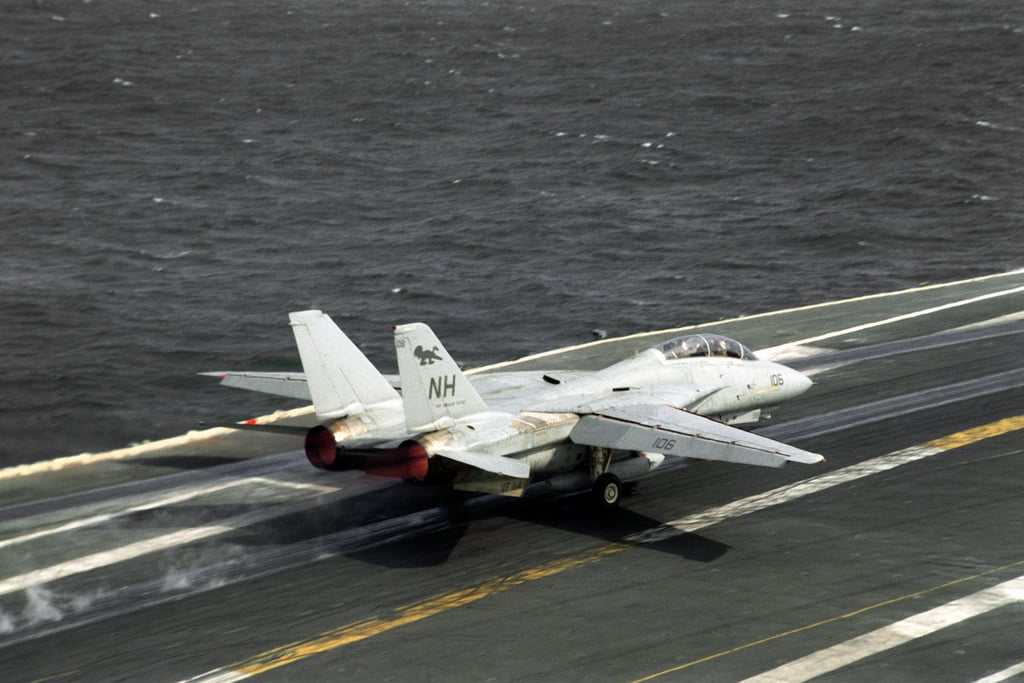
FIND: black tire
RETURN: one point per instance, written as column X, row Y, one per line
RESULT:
column 607, row 490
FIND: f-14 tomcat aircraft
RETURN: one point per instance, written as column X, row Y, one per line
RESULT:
column 497, row 432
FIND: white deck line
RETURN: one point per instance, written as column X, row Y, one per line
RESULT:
column 778, row 351
column 899, row 633
column 1004, row 675
column 164, row 501
column 783, row 494
column 756, row 316
column 80, row 565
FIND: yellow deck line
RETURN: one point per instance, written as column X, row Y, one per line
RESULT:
column 362, row 630
column 352, row 633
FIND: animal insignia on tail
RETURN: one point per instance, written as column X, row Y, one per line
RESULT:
column 426, row 356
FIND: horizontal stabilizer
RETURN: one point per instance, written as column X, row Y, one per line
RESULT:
column 660, row 429
column 290, row 384
column 496, row 464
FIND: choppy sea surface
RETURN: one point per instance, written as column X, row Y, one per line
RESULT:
column 177, row 175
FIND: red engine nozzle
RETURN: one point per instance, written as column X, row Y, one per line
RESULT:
column 407, row 461
column 321, row 448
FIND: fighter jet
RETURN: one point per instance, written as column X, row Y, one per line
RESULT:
column 498, row 432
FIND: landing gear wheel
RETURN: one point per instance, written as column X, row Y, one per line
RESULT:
column 607, row 490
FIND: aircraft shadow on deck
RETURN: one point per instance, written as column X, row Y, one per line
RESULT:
column 430, row 523
column 580, row 515
column 576, row 514
column 430, row 549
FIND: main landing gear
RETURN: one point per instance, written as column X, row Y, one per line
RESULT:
column 607, row 487
column 607, row 490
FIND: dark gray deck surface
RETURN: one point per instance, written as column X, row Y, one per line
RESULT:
column 208, row 559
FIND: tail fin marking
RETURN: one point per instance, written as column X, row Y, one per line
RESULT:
column 434, row 390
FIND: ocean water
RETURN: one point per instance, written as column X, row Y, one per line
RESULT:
column 177, row 175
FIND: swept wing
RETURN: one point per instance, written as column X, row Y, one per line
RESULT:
column 671, row 431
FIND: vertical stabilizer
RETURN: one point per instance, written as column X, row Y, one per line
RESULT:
column 434, row 389
column 341, row 380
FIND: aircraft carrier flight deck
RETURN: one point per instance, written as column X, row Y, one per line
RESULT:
column 222, row 555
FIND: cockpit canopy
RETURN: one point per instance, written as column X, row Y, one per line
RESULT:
column 697, row 345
